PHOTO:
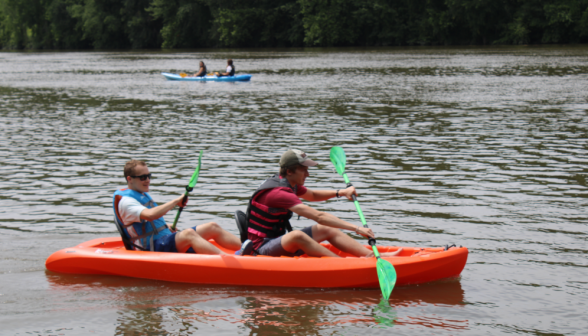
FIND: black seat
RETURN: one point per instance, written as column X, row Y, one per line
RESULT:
column 241, row 220
column 125, row 240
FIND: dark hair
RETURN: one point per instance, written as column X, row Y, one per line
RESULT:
column 230, row 62
column 292, row 168
column 130, row 167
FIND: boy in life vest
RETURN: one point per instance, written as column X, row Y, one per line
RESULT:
column 275, row 201
column 142, row 219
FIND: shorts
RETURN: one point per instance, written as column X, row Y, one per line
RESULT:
column 273, row 246
column 168, row 244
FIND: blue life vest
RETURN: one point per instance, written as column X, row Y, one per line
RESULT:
column 140, row 234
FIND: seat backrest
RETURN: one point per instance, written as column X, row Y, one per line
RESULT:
column 125, row 240
column 241, row 220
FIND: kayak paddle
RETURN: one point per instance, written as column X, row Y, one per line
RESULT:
column 183, row 75
column 189, row 188
column 386, row 272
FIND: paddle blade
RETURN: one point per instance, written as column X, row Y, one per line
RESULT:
column 384, row 314
column 338, row 159
column 183, row 75
column 386, row 276
column 194, row 178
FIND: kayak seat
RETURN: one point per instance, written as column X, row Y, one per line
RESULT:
column 241, row 220
column 125, row 240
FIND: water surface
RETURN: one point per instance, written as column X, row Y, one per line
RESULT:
column 481, row 147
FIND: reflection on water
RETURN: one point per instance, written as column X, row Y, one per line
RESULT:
column 151, row 307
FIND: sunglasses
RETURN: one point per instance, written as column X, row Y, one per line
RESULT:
column 143, row 177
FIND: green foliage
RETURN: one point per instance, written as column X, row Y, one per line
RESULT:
column 115, row 24
column 20, row 28
column 326, row 22
column 478, row 21
column 257, row 23
column 64, row 33
column 582, row 27
column 102, row 23
column 186, row 23
column 141, row 28
column 13, row 33
column 118, row 24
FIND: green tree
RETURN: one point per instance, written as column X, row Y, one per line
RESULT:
column 257, row 23
column 373, row 22
column 121, row 24
column 115, row 24
column 141, row 28
column 582, row 26
column 23, row 23
column 64, row 32
column 330, row 22
column 185, row 23
column 563, row 21
column 101, row 22
column 478, row 21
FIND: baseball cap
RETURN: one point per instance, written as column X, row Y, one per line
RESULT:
column 294, row 156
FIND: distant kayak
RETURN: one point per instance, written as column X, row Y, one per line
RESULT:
column 237, row 78
column 109, row 256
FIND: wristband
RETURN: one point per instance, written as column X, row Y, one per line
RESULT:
column 338, row 193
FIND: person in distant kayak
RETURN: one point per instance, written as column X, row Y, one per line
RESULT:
column 230, row 70
column 202, row 71
column 273, row 203
column 143, row 225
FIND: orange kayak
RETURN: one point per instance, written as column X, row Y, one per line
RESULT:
column 108, row 256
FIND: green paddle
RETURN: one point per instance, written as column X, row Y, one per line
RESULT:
column 189, row 188
column 386, row 272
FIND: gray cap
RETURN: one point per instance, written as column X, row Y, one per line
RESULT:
column 294, row 156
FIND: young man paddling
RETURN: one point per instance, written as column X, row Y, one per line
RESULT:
column 143, row 224
column 273, row 204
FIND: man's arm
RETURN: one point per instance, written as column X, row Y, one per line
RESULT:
column 160, row 210
column 323, row 195
column 327, row 219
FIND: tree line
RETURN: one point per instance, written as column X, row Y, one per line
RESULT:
column 154, row 24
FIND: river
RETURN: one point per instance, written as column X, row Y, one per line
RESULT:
column 484, row 147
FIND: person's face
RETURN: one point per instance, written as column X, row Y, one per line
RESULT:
column 299, row 176
column 135, row 183
column 201, row 64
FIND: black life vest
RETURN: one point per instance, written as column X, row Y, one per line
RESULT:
column 232, row 73
column 204, row 73
column 268, row 222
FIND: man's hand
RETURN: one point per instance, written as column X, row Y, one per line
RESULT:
column 366, row 232
column 180, row 201
column 161, row 210
column 349, row 192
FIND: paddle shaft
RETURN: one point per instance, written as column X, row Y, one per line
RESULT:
column 386, row 272
column 180, row 209
column 371, row 241
column 189, row 188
